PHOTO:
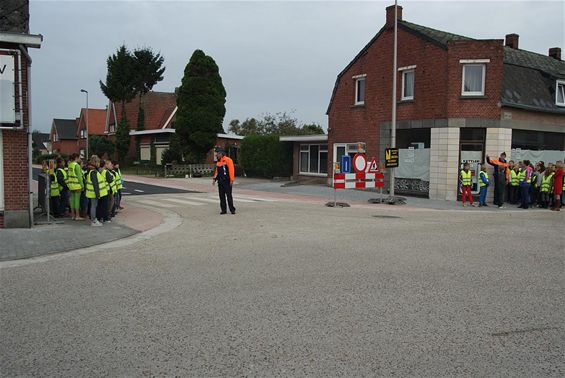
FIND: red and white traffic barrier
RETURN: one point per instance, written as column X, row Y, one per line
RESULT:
column 359, row 180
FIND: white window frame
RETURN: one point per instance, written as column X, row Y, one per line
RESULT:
column 55, row 137
column 560, row 83
column 320, row 150
column 403, row 97
column 359, row 78
column 467, row 63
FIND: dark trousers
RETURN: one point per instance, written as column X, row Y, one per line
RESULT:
column 64, row 202
column 499, row 190
column 102, row 209
column 514, row 193
column 55, row 206
column 524, row 195
column 225, row 192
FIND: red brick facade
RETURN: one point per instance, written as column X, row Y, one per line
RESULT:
column 437, row 86
column 16, row 153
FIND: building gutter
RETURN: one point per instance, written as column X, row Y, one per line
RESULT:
column 532, row 108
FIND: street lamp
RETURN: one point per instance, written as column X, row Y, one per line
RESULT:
column 85, row 91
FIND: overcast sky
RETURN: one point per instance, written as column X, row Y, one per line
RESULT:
column 273, row 56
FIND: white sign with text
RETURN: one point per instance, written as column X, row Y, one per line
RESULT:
column 7, row 80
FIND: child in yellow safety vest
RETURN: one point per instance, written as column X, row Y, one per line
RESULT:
column 465, row 177
column 514, row 184
column 96, row 190
column 483, row 185
column 546, row 186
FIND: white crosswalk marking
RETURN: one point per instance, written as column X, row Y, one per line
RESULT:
column 156, row 203
column 138, row 190
column 183, row 201
column 256, row 199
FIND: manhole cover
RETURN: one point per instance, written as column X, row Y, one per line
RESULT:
column 386, row 216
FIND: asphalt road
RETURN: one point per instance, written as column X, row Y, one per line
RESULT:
column 288, row 289
column 135, row 189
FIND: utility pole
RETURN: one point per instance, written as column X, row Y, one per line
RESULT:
column 86, row 154
column 394, row 74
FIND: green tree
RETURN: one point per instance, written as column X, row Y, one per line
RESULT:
column 101, row 146
column 265, row 156
column 311, row 129
column 201, row 107
column 120, row 86
column 248, row 127
column 148, row 68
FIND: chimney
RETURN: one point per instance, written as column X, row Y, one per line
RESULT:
column 555, row 53
column 390, row 15
column 512, row 40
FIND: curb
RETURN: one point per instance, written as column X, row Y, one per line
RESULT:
column 171, row 220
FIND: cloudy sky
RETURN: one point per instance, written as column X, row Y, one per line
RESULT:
column 274, row 56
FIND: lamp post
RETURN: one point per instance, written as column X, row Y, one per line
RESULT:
column 394, row 74
column 85, row 91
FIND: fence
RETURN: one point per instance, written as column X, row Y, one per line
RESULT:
column 189, row 169
column 413, row 173
column 547, row 156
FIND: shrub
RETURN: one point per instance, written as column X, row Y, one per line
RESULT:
column 170, row 156
column 265, row 156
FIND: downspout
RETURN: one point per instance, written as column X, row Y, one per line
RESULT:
column 29, row 131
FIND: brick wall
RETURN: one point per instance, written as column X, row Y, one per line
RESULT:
column 348, row 123
column 486, row 106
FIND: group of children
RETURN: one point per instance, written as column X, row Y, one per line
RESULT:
column 92, row 189
column 526, row 184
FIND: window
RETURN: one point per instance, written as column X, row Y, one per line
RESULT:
column 407, row 85
column 360, row 91
column 314, row 159
column 55, row 137
column 145, row 152
column 473, row 80
column 83, row 133
column 112, row 128
column 560, row 93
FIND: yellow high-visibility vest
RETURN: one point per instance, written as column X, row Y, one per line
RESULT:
column 466, row 178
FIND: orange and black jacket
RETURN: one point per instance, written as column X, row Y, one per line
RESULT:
column 225, row 171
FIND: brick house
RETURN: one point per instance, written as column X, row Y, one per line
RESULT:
column 96, row 126
column 148, row 145
column 41, row 142
column 459, row 99
column 63, row 136
column 15, row 125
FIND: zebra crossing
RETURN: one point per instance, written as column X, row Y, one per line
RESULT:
column 197, row 200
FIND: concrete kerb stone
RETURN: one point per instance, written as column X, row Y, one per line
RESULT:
column 171, row 220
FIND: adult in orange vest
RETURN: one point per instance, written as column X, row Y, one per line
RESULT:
column 224, row 176
column 500, row 176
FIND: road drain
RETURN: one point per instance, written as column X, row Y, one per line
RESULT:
column 386, row 216
column 526, row 330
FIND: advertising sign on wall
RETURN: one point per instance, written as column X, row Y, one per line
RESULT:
column 7, row 99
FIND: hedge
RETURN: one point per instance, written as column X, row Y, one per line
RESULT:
column 39, row 159
column 265, row 156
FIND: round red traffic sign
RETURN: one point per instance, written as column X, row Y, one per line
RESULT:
column 359, row 163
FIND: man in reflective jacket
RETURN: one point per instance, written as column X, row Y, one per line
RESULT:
column 224, row 176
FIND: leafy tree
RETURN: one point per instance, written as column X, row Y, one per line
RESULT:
column 120, row 86
column 311, row 129
column 273, row 124
column 120, row 83
column 201, row 106
column 148, row 68
column 101, row 146
column 248, row 127
column 122, row 139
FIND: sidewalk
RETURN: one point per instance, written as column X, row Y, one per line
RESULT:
column 311, row 193
column 70, row 235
